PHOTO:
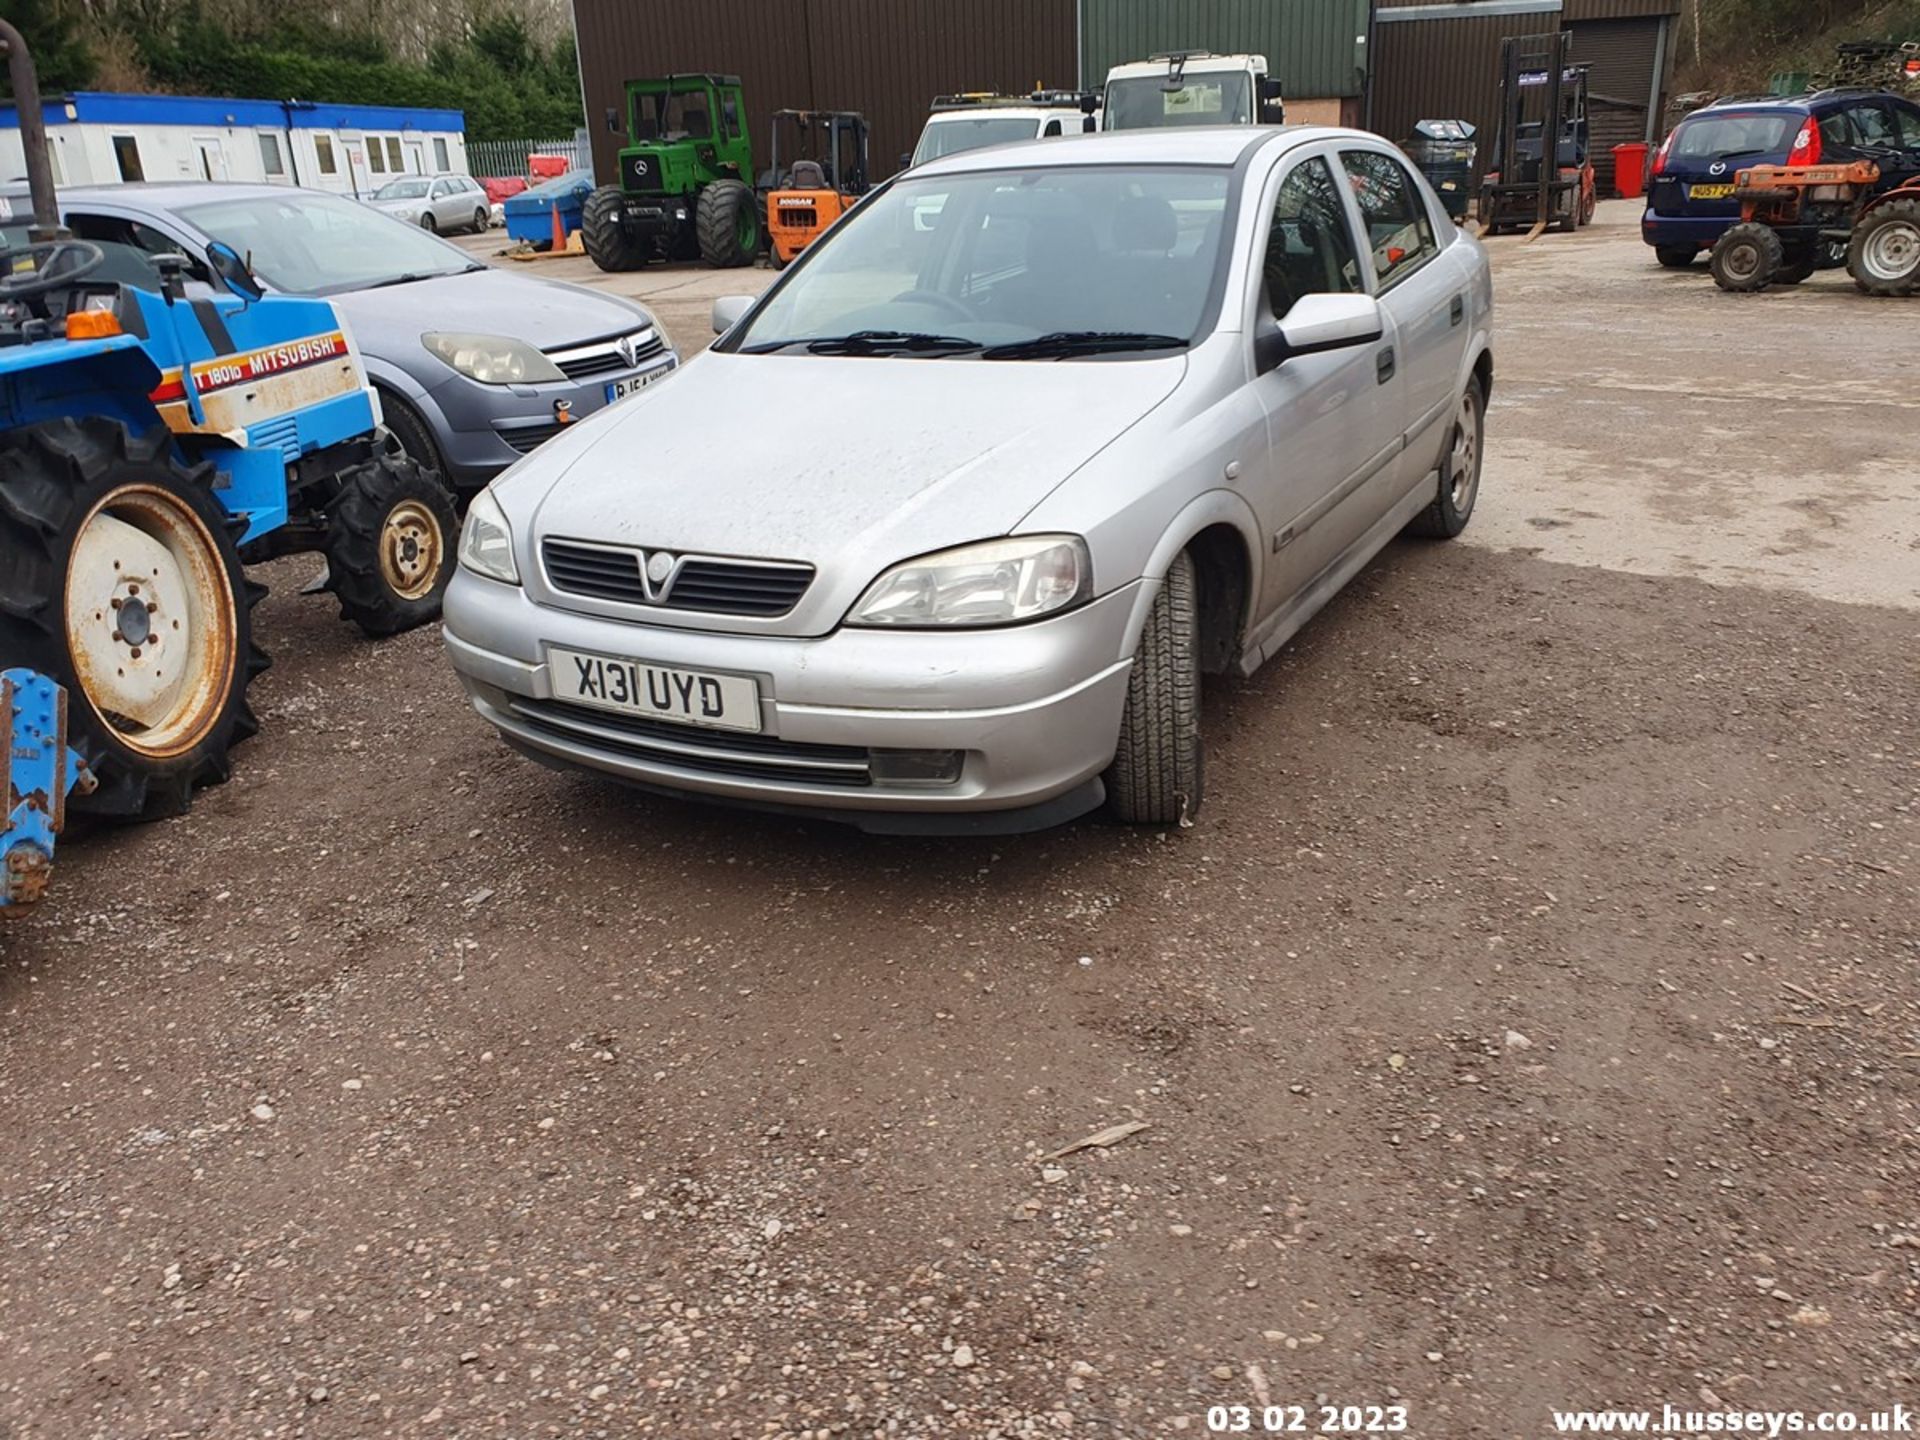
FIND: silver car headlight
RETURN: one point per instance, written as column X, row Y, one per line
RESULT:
column 486, row 544
column 996, row 582
column 493, row 359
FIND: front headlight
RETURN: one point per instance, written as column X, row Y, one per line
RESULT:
column 486, row 544
column 493, row 359
column 996, row 582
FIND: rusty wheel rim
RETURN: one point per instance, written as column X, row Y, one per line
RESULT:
column 410, row 550
column 151, row 620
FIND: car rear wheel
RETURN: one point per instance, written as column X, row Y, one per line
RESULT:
column 1884, row 257
column 479, row 222
column 1459, row 485
column 1747, row 258
column 428, row 223
column 1676, row 257
column 1158, row 766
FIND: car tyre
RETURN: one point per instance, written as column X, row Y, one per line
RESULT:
column 607, row 243
column 412, row 433
column 479, row 222
column 428, row 223
column 1676, row 257
column 1459, row 485
column 1748, row 257
column 1159, row 763
column 1884, row 254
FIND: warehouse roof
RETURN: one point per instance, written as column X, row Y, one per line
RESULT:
column 99, row 107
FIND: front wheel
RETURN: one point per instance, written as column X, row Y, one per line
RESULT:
column 428, row 223
column 1159, row 764
column 727, row 227
column 1884, row 256
column 1747, row 257
column 479, row 222
column 1459, row 485
column 390, row 545
column 123, row 582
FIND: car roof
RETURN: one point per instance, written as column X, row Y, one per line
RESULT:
column 1803, row 102
column 171, row 195
column 1179, row 145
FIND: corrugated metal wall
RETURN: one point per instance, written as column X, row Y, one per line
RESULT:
column 1621, row 55
column 887, row 58
column 1318, row 48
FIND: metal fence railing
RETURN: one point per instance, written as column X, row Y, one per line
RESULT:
column 503, row 159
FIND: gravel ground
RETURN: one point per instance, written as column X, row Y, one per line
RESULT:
column 1532, row 1020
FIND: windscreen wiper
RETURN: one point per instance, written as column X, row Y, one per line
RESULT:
column 1060, row 344
column 891, row 342
column 416, row 275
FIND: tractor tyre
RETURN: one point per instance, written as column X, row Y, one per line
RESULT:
column 607, row 243
column 391, row 546
column 1676, row 257
column 123, row 582
column 1747, row 257
column 1884, row 255
column 729, row 231
column 1797, row 266
column 1159, row 765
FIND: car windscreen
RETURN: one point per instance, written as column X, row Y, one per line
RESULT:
column 1145, row 103
column 312, row 244
column 971, row 132
column 401, row 190
column 1735, row 134
column 1003, row 257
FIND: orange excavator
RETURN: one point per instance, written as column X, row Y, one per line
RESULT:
column 817, row 175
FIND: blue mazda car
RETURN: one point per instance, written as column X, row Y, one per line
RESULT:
column 1690, row 191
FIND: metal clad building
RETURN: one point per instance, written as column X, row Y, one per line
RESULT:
column 1441, row 61
column 1318, row 48
column 1381, row 63
column 886, row 58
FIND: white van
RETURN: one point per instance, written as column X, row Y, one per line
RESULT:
column 969, row 122
column 1191, row 87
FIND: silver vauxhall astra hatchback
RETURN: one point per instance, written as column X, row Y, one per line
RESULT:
column 946, row 528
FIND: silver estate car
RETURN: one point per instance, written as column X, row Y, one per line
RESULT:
column 947, row 527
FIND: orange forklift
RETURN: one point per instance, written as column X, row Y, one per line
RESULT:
column 817, row 174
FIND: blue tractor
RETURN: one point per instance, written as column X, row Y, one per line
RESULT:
column 154, row 441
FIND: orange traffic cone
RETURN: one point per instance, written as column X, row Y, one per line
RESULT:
column 559, row 230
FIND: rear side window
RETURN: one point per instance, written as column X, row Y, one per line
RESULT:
column 1721, row 137
column 1399, row 230
column 1873, row 125
column 1909, row 123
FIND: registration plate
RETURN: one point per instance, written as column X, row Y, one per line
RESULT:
column 634, row 384
column 1709, row 192
column 658, row 692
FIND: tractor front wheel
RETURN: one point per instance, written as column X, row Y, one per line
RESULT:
column 1884, row 256
column 729, row 230
column 123, row 582
column 1747, row 257
column 390, row 547
column 607, row 242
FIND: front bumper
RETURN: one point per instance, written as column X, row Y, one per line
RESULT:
column 1033, row 709
column 482, row 429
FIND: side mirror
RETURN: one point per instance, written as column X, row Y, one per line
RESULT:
column 613, row 120
column 728, row 309
column 232, row 271
column 1315, row 324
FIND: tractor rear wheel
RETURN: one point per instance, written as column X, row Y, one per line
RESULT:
column 606, row 240
column 123, row 582
column 1747, row 257
column 729, row 230
column 390, row 546
column 1884, row 256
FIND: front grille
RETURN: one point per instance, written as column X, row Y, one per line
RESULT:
column 528, row 438
column 603, row 357
column 708, row 752
column 642, row 172
column 807, row 218
column 282, row 434
column 761, row 588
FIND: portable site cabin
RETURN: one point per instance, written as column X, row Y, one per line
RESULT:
column 96, row 138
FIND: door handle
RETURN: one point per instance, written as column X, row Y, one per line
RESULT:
column 1457, row 311
column 1383, row 365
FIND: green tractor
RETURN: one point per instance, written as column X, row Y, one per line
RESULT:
column 686, row 178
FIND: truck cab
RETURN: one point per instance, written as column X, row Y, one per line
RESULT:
column 973, row 121
column 1191, row 87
